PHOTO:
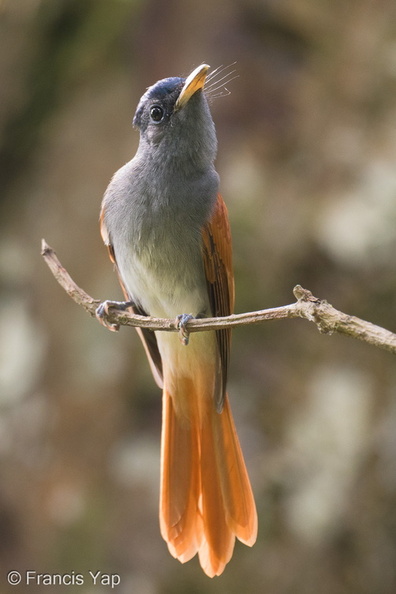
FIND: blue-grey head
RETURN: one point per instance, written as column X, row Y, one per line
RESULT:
column 175, row 122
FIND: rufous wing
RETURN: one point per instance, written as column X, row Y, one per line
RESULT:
column 217, row 260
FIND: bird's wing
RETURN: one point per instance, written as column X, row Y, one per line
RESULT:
column 147, row 336
column 217, row 257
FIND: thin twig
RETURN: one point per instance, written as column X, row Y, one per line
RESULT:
column 327, row 319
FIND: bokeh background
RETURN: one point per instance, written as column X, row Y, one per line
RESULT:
column 307, row 145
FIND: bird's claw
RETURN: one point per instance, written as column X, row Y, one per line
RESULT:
column 182, row 322
column 103, row 311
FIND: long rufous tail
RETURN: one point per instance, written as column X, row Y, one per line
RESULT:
column 206, row 499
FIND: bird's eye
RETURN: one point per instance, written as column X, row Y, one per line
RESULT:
column 157, row 113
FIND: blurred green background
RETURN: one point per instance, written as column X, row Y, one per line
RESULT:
column 307, row 144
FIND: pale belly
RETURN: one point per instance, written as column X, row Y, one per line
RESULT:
column 166, row 291
column 167, row 296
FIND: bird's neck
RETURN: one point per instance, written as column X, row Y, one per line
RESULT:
column 184, row 161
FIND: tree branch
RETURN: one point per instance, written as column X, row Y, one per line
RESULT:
column 327, row 319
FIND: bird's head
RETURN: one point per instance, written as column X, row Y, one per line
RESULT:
column 175, row 123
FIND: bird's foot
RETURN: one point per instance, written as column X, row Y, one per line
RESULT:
column 103, row 311
column 182, row 322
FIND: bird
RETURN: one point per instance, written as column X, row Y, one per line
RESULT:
column 166, row 228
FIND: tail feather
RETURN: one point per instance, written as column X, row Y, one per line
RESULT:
column 206, row 499
column 218, row 542
column 180, row 519
column 237, row 492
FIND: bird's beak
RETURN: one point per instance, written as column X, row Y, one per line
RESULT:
column 194, row 82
